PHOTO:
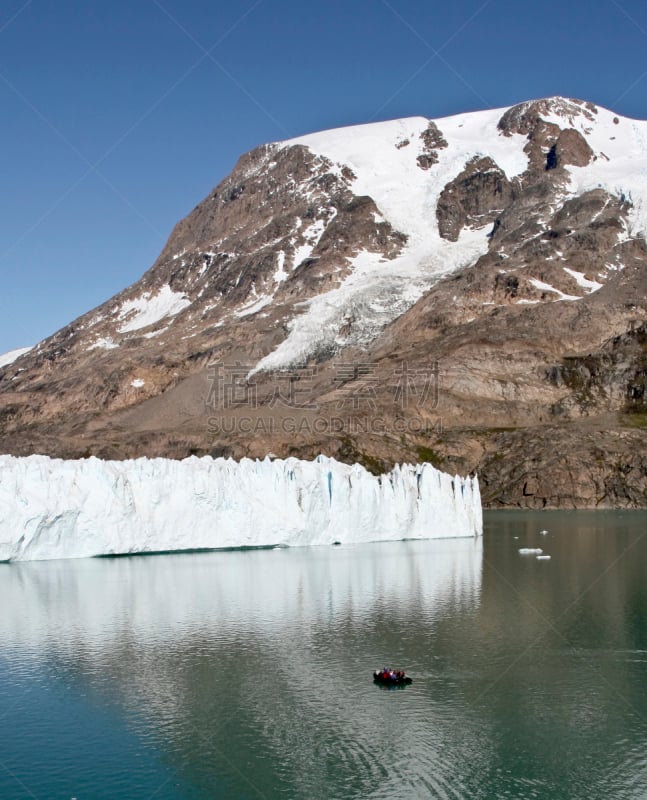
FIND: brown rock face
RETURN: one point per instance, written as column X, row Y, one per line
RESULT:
column 550, row 144
column 474, row 199
column 528, row 364
column 572, row 149
column 525, row 117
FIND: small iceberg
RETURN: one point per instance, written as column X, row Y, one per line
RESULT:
column 530, row 551
column 543, row 558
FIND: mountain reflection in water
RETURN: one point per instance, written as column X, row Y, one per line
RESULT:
column 248, row 673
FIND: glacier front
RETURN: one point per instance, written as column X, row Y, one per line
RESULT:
column 52, row 508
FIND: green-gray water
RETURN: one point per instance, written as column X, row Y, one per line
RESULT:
column 247, row 674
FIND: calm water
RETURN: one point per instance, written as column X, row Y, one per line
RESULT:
column 247, row 674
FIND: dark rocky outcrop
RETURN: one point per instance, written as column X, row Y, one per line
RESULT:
column 475, row 198
column 433, row 141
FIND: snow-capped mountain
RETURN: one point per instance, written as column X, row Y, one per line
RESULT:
column 483, row 274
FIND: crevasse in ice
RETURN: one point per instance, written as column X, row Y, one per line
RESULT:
column 51, row 508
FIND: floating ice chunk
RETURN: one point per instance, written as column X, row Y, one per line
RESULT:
column 543, row 558
column 530, row 551
column 543, row 533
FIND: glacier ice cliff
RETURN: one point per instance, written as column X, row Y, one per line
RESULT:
column 52, row 508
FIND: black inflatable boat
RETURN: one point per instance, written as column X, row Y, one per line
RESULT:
column 391, row 677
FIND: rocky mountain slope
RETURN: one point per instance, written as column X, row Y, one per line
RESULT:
column 469, row 291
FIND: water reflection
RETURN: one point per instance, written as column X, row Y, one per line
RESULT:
column 248, row 674
column 88, row 603
column 251, row 670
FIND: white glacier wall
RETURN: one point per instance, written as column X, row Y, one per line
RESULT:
column 51, row 508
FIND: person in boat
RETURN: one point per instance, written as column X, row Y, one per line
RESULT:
column 391, row 675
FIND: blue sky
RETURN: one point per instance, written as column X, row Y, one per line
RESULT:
column 119, row 116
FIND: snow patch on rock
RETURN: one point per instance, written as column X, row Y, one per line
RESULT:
column 280, row 275
column 581, row 280
column 13, row 355
column 151, row 308
column 546, row 287
column 312, row 234
column 104, row 344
